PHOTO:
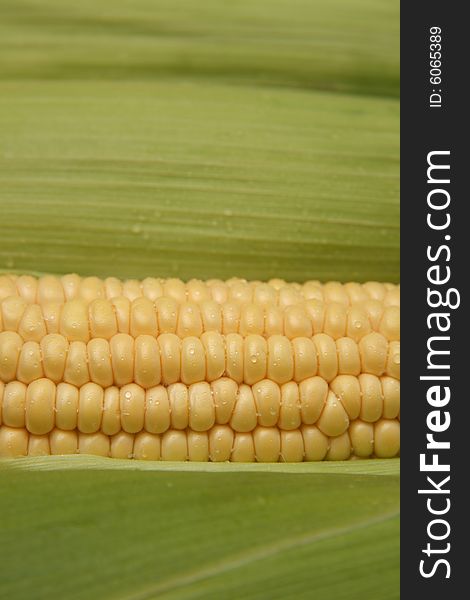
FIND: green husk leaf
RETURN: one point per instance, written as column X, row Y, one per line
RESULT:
column 110, row 171
column 139, row 531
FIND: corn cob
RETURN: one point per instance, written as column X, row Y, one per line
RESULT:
column 43, row 405
column 232, row 370
column 78, row 320
column 50, row 289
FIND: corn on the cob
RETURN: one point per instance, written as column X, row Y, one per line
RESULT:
column 220, row 443
column 149, row 361
column 213, row 370
column 77, row 320
column 50, row 289
column 43, row 405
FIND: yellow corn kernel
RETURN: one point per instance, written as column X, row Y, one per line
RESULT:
column 214, row 351
column 224, row 392
column 305, row 358
column 13, row 442
column 393, row 360
column 244, row 416
column 122, row 358
column 74, row 321
column 40, row 405
column 289, row 414
column 362, row 438
column 197, row 291
column 50, row 289
column 111, row 420
column 178, row 397
column 66, row 406
column 243, row 448
column 102, row 319
column 292, row 446
column 327, row 356
column 373, row 349
column 10, row 348
column 51, row 313
column 334, row 419
column 29, row 363
column 371, row 398
column 54, row 348
column 189, row 320
column 99, row 362
column 235, row 359
column 94, row 443
column 315, row 443
column 90, row 408
column 122, row 310
column 38, row 445
column 254, row 358
column 13, row 308
column 267, row 397
column 201, row 407
column 147, row 363
column 131, row 289
column 391, row 397
column 27, row 287
column 76, row 365
column 14, row 404
column 313, row 393
column 349, row 360
column 267, row 441
column 132, row 408
column 336, row 320
column 348, row 390
column 193, row 363
column 211, row 315
column 147, row 446
column 339, row 447
column 122, row 445
column 32, row 326
column 174, row 445
column 91, row 288
column 198, row 446
column 170, row 355
column 157, row 410
column 280, row 363
column 386, row 438
column 251, row 320
column 63, row 442
column 220, row 443
column 71, row 285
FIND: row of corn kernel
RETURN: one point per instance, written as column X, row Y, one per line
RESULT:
column 221, row 443
column 278, row 292
column 80, row 321
column 42, row 405
column 167, row 359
